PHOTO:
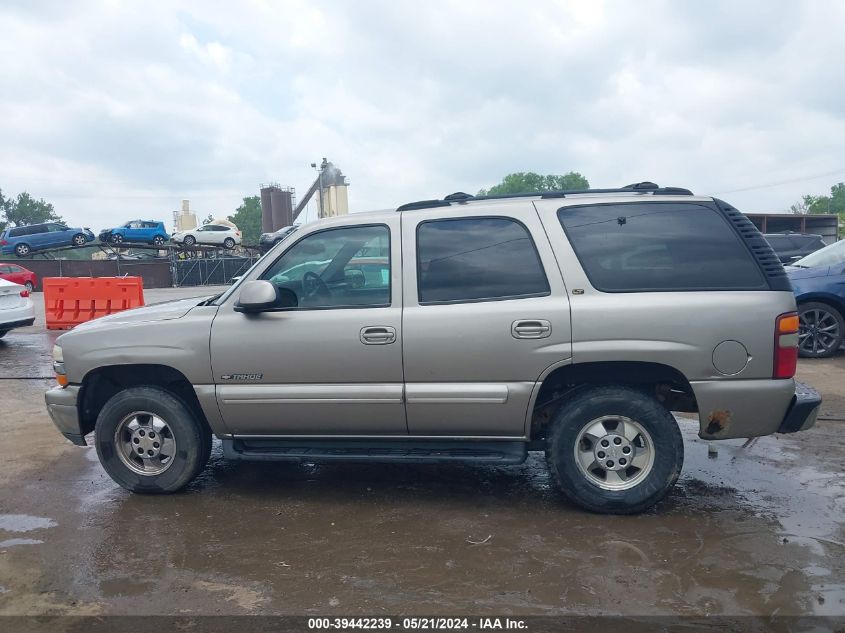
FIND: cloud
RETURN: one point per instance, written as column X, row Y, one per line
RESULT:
column 114, row 110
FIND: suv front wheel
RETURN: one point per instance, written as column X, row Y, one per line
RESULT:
column 149, row 441
column 614, row 450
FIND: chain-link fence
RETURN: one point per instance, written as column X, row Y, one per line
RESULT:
column 210, row 272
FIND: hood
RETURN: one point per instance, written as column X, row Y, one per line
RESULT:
column 157, row 312
column 794, row 272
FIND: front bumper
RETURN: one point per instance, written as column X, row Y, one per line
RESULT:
column 61, row 405
column 803, row 410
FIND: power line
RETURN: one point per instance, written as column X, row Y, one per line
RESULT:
column 782, row 182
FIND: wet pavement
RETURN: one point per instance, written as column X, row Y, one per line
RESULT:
column 756, row 529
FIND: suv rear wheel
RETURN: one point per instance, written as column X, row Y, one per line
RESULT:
column 22, row 250
column 614, row 450
column 158, row 240
column 149, row 441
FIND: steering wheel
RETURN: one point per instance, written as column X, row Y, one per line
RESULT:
column 313, row 285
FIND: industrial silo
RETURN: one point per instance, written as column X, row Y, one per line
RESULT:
column 266, row 209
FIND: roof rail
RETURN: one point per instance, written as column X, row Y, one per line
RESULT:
column 459, row 197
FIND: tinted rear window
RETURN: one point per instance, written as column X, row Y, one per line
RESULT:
column 779, row 242
column 477, row 259
column 654, row 246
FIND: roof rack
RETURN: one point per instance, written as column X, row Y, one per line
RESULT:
column 459, row 197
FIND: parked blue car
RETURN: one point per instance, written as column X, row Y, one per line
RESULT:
column 23, row 240
column 818, row 281
column 137, row 232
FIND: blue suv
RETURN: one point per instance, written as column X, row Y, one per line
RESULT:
column 135, row 232
column 23, row 240
column 818, row 281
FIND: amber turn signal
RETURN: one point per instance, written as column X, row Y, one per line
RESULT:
column 788, row 324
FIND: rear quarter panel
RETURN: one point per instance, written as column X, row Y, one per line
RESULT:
column 682, row 330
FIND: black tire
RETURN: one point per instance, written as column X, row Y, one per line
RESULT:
column 190, row 240
column 116, row 238
column 229, row 243
column 29, row 286
column 581, row 411
column 78, row 240
column 192, row 438
column 22, row 250
column 815, row 338
column 158, row 240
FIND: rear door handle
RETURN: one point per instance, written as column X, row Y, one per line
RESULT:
column 534, row 328
column 378, row 335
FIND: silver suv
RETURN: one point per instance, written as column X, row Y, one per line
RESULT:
column 466, row 329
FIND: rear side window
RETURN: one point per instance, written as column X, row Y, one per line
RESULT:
column 640, row 247
column 477, row 259
column 779, row 242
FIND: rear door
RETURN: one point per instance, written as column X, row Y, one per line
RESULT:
column 40, row 236
column 485, row 313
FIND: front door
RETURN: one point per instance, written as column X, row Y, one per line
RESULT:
column 331, row 366
column 486, row 312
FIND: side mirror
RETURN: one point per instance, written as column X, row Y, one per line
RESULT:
column 257, row 296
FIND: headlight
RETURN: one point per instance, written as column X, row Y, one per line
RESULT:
column 59, row 365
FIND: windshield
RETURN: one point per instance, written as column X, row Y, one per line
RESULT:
column 219, row 299
column 827, row 256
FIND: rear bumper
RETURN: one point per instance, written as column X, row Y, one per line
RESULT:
column 9, row 325
column 803, row 411
column 750, row 408
column 19, row 316
column 61, row 405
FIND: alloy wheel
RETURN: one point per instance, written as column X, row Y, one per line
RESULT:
column 614, row 452
column 818, row 331
column 145, row 443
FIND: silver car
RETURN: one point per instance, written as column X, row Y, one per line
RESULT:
column 471, row 329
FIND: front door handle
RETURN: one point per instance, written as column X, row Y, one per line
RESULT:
column 534, row 328
column 378, row 335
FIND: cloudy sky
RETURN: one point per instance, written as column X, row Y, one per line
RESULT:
column 118, row 109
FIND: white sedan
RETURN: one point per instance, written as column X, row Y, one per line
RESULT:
column 16, row 309
column 211, row 234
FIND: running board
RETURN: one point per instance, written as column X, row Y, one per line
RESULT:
column 409, row 451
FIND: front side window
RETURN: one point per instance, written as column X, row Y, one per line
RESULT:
column 337, row 268
column 477, row 259
column 652, row 246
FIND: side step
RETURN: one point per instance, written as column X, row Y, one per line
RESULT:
column 410, row 451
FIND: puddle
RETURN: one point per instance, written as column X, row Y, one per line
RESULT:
column 12, row 542
column 24, row 523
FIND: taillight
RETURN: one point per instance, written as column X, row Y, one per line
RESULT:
column 786, row 346
column 24, row 293
column 3, row 242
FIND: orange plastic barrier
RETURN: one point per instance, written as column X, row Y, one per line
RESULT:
column 69, row 301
